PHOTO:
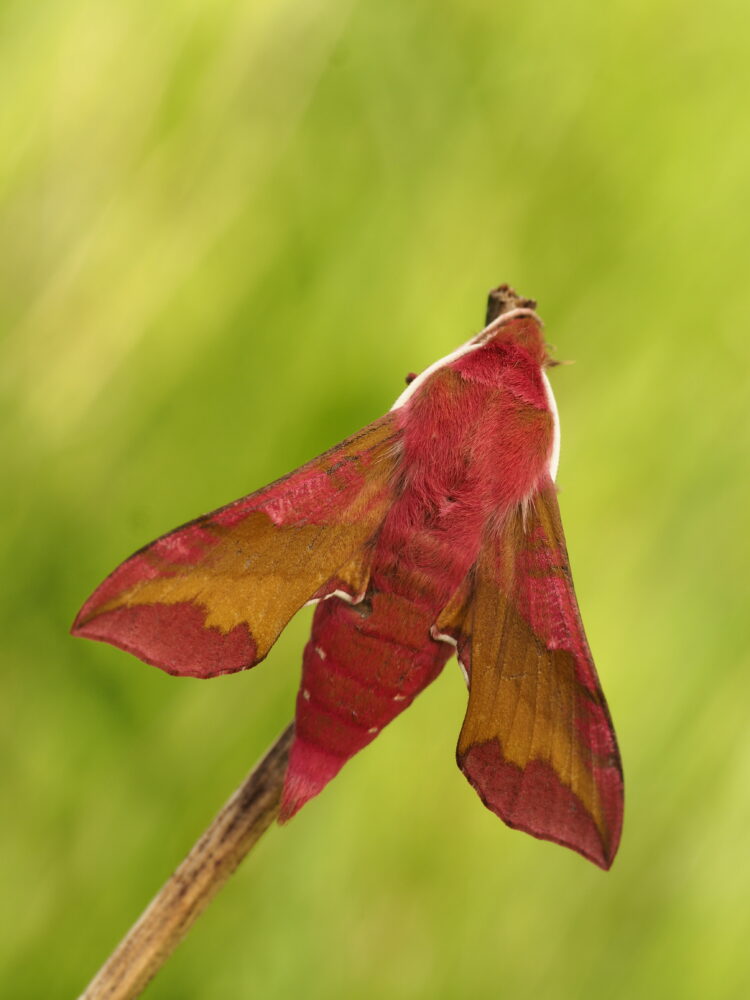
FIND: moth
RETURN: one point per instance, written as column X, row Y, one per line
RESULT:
column 434, row 530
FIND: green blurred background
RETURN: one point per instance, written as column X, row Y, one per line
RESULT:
column 227, row 231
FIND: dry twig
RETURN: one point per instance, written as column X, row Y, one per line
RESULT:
column 172, row 912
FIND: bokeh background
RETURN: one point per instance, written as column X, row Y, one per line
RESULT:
column 227, row 231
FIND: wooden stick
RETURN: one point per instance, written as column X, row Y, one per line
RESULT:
column 172, row 912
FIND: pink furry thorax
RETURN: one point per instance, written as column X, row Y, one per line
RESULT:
column 477, row 438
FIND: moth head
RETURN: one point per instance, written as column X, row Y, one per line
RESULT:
column 504, row 300
column 512, row 319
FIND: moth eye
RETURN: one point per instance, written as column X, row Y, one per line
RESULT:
column 410, row 378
